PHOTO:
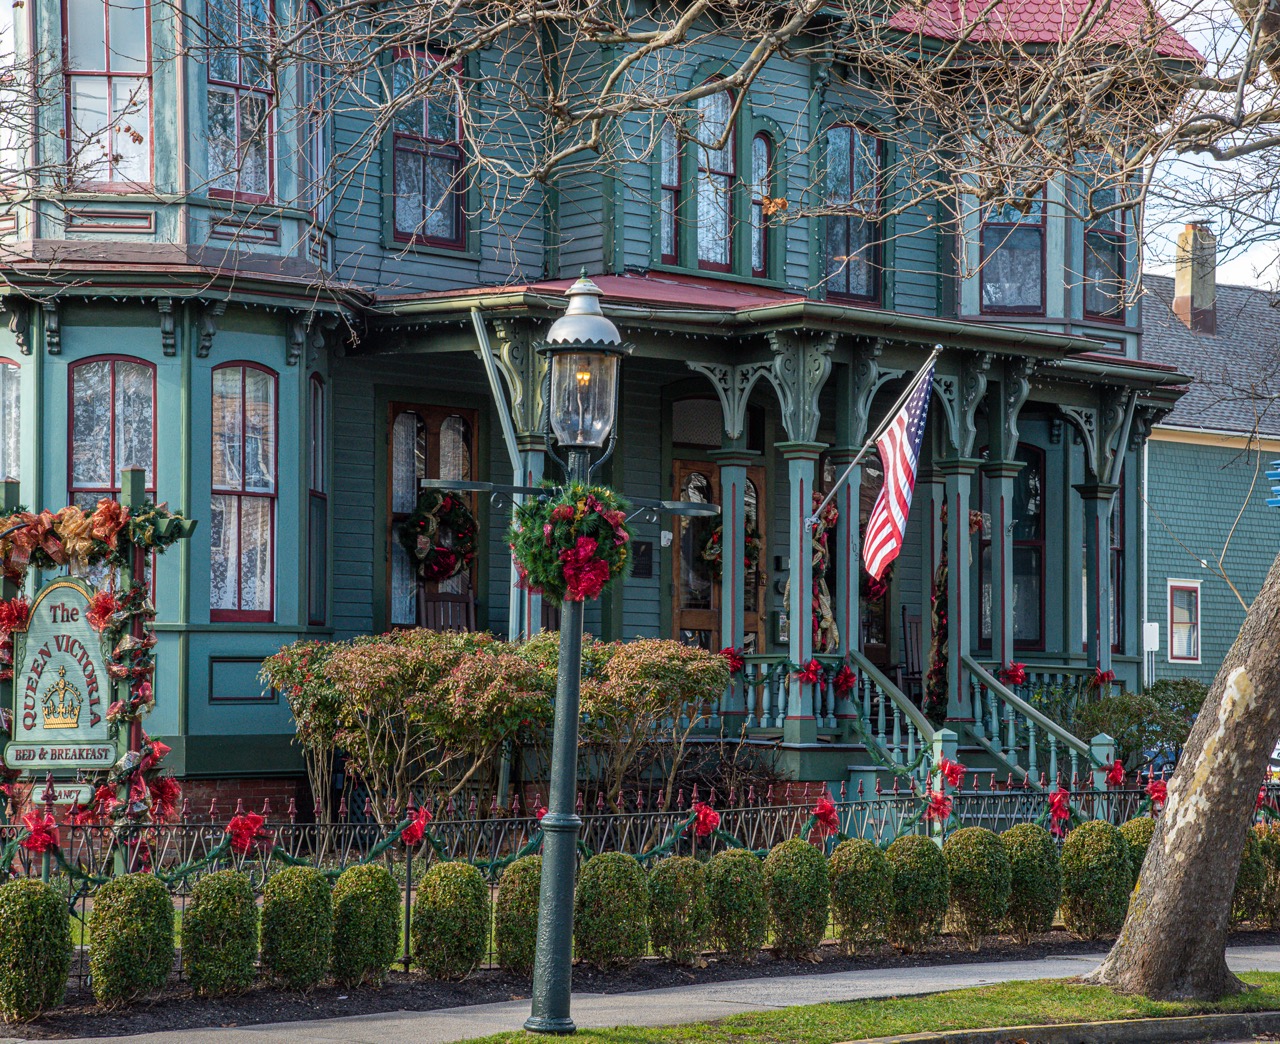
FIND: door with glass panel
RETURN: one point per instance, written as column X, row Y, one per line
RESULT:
column 427, row 442
column 696, row 565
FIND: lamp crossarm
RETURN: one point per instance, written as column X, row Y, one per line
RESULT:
column 688, row 508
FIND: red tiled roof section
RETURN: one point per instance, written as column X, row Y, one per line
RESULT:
column 1043, row 22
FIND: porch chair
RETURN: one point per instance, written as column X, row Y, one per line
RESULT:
column 447, row 611
column 910, row 673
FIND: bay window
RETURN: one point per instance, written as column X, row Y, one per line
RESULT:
column 428, row 156
column 112, row 404
column 108, row 91
column 852, row 200
column 717, row 169
column 1184, row 621
column 10, row 420
column 317, row 506
column 1012, row 261
column 243, row 500
column 240, row 101
column 1105, row 274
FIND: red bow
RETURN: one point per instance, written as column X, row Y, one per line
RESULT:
column 43, row 832
column 417, row 827
column 1158, row 792
column 845, row 680
column 952, row 771
column 1115, row 774
column 165, row 793
column 14, row 614
column 1101, row 677
column 828, row 819
column 155, row 754
column 811, row 674
column 1262, row 798
column 1059, row 811
column 102, row 607
column 245, row 830
column 542, row 811
column 737, row 662
column 584, row 574
column 705, row 819
column 939, row 807
column 1014, row 674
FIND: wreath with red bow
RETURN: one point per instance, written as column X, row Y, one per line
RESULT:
column 713, row 551
column 568, row 546
column 440, row 535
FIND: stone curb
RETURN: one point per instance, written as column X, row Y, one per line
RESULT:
column 1121, row 1031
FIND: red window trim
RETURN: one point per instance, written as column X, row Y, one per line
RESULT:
column 1009, row 226
column 113, row 489
column 1195, row 588
column 876, row 258
column 673, row 190
column 731, row 150
column 252, row 615
column 237, row 89
column 111, row 184
column 757, row 200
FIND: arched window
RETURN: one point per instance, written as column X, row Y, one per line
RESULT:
column 761, row 187
column 852, row 198
column 112, row 408
column 10, row 419
column 240, row 100
column 242, row 509
column 717, row 169
column 314, row 164
column 317, row 504
column 669, row 203
column 108, row 90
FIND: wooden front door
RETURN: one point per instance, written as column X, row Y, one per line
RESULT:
column 697, row 591
column 427, row 442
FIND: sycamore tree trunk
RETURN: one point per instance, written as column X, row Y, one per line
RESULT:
column 1173, row 944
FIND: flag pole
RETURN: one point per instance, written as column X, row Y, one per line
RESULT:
column 812, row 520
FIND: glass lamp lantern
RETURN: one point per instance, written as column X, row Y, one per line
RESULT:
column 584, row 348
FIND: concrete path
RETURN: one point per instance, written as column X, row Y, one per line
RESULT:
column 656, row 1007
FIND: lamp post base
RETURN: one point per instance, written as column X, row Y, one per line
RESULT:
column 541, row 1024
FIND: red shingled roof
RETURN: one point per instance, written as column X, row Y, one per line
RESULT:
column 1042, row 22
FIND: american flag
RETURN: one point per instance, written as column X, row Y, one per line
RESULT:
column 899, row 455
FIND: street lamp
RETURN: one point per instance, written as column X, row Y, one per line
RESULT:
column 584, row 348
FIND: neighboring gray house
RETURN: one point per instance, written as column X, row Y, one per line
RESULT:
column 1210, row 538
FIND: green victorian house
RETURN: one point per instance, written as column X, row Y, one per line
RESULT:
column 163, row 312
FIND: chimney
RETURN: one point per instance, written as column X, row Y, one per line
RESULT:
column 1195, row 279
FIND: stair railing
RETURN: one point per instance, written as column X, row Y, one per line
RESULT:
column 888, row 721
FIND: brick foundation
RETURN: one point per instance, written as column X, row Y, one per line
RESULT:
column 254, row 794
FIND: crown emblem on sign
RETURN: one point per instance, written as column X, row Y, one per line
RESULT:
column 61, row 704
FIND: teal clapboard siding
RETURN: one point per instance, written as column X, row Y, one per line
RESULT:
column 1198, row 495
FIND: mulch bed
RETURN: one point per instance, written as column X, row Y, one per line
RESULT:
column 177, row 1009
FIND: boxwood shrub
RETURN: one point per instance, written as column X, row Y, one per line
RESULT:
column 297, row 927
column 736, row 903
column 366, row 925
column 980, row 876
column 1138, row 833
column 1096, row 880
column 798, row 889
column 35, row 949
column 609, row 922
column 861, row 892
column 450, row 926
column 130, row 938
column 1251, row 882
column 1035, row 881
column 920, row 891
column 516, row 917
column 678, row 917
column 220, row 934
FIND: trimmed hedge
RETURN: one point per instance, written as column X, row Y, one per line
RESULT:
column 35, row 949
column 1096, row 880
column 1251, row 882
column 798, row 889
column 130, row 938
column 450, row 927
column 1035, row 881
column 516, row 916
column 297, row 927
column 220, row 934
column 920, row 890
column 366, row 925
column 609, row 924
column 1138, row 833
column 678, row 918
column 861, row 892
column 980, row 877
column 736, row 902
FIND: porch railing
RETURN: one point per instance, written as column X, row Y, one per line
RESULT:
column 1027, row 741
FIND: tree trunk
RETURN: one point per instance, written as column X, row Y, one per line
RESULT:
column 1174, row 940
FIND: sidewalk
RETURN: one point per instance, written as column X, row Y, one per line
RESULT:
column 656, row 1007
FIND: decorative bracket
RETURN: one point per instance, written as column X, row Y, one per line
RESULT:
column 168, row 337
column 299, row 328
column 945, row 387
column 1014, row 395
column 52, row 325
column 973, row 389
column 19, row 323
column 733, row 385
column 523, row 371
column 209, row 316
column 868, row 379
column 801, row 366
column 1085, row 420
column 1146, row 418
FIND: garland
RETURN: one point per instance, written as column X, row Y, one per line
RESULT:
column 713, row 554
column 568, row 546
column 440, row 535
column 826, row 635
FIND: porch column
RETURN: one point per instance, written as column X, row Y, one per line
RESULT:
column 957, row 476
column 934, row 499
column 800, row 724
column 733, row 465
column 1000, row 476
column 1097, row 497
column 848, row 552
column 526, row 606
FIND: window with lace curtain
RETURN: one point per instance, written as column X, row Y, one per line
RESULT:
column 240, row 100
column 242, row 508
column 852, row 196
column 112, row 426
column 10, row 419
column 1012, row 262
column 15, row 133
column 717, row 170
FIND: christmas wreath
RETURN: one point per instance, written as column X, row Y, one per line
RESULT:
column 713, row 553
column 440, row 535
column 568, row 546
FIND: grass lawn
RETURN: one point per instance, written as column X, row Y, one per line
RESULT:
column 1009, row 1004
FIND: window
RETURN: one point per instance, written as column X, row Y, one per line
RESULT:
column 1012, row 264
column 717, row 169
column 108, row 86
column 10, row 420
column 428, row 157
column 1184, row 621
column 761, row 203
column 243, row 500
column 852, row 197
column 1028, row 556
column 317, row 506
column 314, row 124
column 240, row 101
column 1105, row 243
column 112, row 407
column 669, row 202
column 15, row 129
column 1115, row 530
